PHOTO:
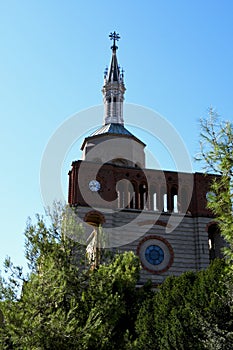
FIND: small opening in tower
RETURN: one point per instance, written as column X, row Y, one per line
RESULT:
column 216, row 242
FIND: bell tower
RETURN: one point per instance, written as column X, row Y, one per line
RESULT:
column 160, row 215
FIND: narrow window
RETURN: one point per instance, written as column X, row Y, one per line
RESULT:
column 215, row 241
column 165, row 202
column 155, row 202
column 175, row 204
column 132, row 201
column 143, row 196
column 174, row 200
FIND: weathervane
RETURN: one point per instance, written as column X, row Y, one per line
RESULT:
column 115, row 37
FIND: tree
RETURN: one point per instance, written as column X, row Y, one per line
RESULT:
column 216, row 140
column 60, row 303
column 112, row 299
column 48, row 312
column 188, row 312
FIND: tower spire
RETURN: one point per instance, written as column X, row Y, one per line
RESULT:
column 114, row 88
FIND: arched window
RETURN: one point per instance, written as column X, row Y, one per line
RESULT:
column 216, row 242
column 94, row 218
column 155, row 202
column 174, row 199
column 165, row 209
column 120, row 195
column 153, row 205
column 142, row 196
column 162, row 200
column 131, row 196
column 175, row 203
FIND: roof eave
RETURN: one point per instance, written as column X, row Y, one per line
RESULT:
column 111, row 134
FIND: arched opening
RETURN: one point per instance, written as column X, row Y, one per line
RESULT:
column 126, row 194
column 142, row 196
column 94, row 218
column 162, row 200
column 155, row 202
column 174, row 199
column 120, row 195
column 165, row 208
column 132, row 196
column 175, row 203
column 216, row 242
column 95, row 239
column 153, row 198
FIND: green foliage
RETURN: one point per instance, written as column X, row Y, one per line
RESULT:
column 61, row 304
column 111, row 297
column 46, row 314
column 184, row 310
column 217, row 154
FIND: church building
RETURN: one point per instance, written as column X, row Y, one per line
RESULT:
column 162, row 216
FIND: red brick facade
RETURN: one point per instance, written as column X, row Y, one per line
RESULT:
column 191, row 189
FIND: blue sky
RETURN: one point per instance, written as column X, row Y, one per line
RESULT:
column 177, row 56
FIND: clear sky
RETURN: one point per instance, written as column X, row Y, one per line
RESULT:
column 177, row 57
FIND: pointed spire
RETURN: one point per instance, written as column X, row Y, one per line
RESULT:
column 114, row 71
column 113, row 89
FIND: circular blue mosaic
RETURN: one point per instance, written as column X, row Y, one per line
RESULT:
column 154, row 254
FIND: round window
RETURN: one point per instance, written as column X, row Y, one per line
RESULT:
column 154, row 254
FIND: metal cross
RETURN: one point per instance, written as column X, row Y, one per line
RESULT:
column 115, row 37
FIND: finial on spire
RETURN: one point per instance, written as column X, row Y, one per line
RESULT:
column 115, row 37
